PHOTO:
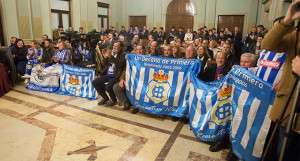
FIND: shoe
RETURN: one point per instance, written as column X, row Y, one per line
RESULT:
column 185, row 120
column 231, row 157
column 127, row 106
column 111, row 103
column 174, row 119
column 25, row 76
column 135, row 110
column 218, row 145
column 103, row 101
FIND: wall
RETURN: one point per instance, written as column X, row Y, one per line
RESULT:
column 21, row 20
column 30, row 19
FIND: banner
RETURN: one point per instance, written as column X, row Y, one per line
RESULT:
column 239, row 105
column 158, row 85
column 76, row 81
column 45, row 79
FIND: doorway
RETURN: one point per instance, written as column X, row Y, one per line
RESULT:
column 180, row 13
column 139, row 21
column 231, row 21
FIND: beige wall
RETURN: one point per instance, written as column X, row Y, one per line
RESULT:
column 30, row 19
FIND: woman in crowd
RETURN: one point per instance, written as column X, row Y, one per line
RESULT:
column 203, row 56
column 176, row 51
column 213, row 45
column 188, row 37
column 34, row 56
column 19, row 54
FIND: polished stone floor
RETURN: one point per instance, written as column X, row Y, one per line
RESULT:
column 45, row 126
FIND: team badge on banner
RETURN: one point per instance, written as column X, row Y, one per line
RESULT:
column 45, row 79
column 238, row 105
column 76, row 81
column 159, row 85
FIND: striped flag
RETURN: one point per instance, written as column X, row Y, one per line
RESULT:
column 270, row 66
column 159, row 85
column 239, row 105
column 76, row 81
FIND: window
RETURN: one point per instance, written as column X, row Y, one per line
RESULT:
column 60, row 13
column 103, row 15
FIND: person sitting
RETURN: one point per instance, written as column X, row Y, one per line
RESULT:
column 206, row 43
column 119, row 88
column 123, row 32
column 19, row 55
column 168, row 53
column 228, row 50
column 213, row 45
column 248, row 60
column 113, row 63
column 154, row 33
column 188, row 37
column 46, row 78
column 176, row 51
column 85, row 54
column 210, row 36
column 34, row 56
column 154, row 49
column 203, row 56
column 134, row 40
column 12, row 44
column 197, row 43
column 255, row 46
column 48, row 53
column 217, row 70
column 44, row 37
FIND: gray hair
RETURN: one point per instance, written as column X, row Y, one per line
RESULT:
column 252, row 57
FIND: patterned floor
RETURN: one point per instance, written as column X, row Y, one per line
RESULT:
column 45, row 126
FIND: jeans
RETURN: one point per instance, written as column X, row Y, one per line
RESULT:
column 21, row 67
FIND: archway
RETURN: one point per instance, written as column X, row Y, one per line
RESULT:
column 180, row 13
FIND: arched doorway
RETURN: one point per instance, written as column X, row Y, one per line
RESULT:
column 180, row 13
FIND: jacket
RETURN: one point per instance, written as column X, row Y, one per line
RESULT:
column 279, row 39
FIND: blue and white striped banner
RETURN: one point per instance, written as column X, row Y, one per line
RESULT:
column 158, row 85
column 239, row 105
column 76, row 81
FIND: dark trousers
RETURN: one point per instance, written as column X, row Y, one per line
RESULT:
column 99, row 84
column 292, row 151
column 21, row 67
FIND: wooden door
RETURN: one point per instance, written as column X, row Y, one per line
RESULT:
column 231, row 21
column 180, row 13
column 139, row 21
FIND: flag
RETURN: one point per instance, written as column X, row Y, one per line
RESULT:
column 76, row 81
column 238, row 105
column 158, row 85
column 270, row 66
column 45, row 79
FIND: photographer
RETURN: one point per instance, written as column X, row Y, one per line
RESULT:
column 280, row 39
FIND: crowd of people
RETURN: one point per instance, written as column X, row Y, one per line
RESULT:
column 218, row 52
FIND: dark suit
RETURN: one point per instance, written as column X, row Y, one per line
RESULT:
column 210, row 72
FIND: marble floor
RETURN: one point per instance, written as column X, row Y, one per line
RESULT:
column 45, row 126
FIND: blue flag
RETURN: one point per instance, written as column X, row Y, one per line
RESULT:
column 239, row 105
column 76, row 81
column 159, row 85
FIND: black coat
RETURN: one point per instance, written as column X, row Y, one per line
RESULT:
column 210, row 71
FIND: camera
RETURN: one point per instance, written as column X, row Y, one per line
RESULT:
column 297, row 7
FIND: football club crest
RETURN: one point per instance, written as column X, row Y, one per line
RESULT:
column 159, row 87
column 221, row 112
column 38, row 76
column 73, row 85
